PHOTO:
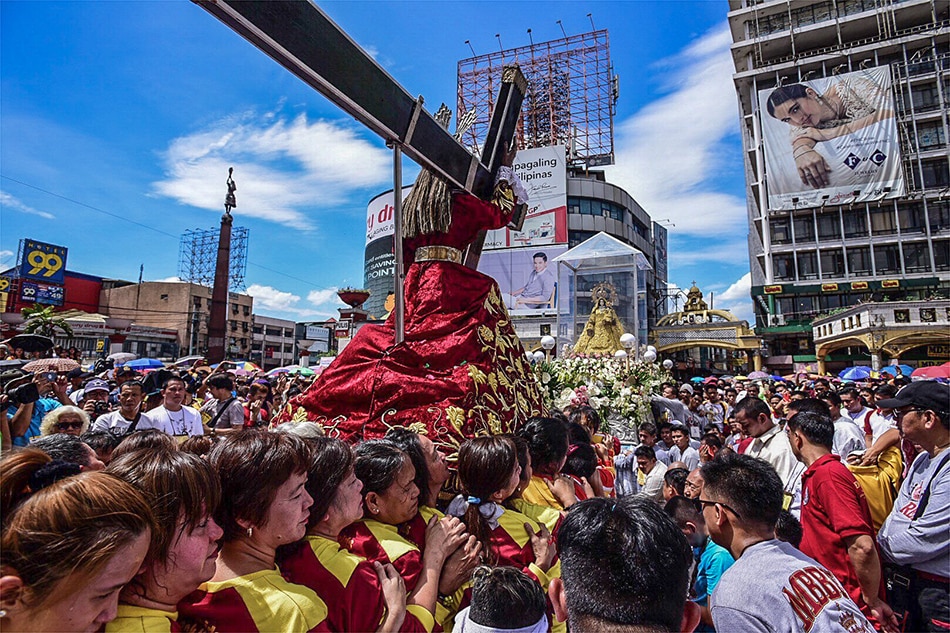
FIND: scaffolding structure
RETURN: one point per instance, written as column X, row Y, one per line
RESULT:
column 571, row 99
column 198, row 251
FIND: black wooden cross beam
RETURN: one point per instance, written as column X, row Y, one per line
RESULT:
column 299, row 36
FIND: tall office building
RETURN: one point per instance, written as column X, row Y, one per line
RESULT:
column 844, row 121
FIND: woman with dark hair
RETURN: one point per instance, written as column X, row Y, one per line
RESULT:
column 264, row 505
column 147, row 439
column 431, row 470
column 542, row 514
column 360, row 595
column 843, row 108
column 489, row 474
column 183, row 491
column 434, row 557
column 69, row 544
column 548, row 443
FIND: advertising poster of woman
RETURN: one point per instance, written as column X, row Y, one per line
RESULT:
column 832, row 140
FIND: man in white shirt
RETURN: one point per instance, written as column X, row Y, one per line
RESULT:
column 770, row 444
column 653, row 471
column 172, row 417
column 853, row 406
column 128, row 417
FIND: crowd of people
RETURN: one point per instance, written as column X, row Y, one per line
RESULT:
column 175, row 502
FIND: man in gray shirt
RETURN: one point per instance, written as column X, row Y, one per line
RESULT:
column 227, row 409
column 915, row 533
column 772, row 586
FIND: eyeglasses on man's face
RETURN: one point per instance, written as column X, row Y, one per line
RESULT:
column 707, row 502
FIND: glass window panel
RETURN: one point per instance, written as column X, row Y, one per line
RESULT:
column 784, row 266
column 859, row 261
column 855, row 223
column 781, row 231
column 936, row 173
column 887, row 259
column 829, row 226
column 911, row 218
column 832, row 263
column 916, row 257
column 883, row 222
column 938, row 215
column 804, row 228
column 807, row 265
column 941, row 255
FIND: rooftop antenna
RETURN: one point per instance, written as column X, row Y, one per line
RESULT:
column 530, row 39
column 500, row 47
column 471, row 47
column 562, row 29
column 592, row 27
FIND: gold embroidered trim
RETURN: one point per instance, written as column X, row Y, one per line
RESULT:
column 438, row 254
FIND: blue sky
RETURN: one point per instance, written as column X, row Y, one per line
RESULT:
column 119, row 119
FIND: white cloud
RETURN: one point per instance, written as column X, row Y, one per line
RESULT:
column 672, row 152
column 283, row 168
column 321, row 304
column 737, row 299
column 6, row 258
column 11, row 202
column 172, row 279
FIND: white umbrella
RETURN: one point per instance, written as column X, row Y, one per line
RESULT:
column 121, row 357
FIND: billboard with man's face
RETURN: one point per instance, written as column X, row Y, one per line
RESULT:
column 831, row 141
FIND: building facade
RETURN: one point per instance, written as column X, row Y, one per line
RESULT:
column 183, row 307
column 272, row 342
column 824, row 253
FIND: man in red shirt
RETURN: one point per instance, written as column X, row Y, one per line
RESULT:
column 836, row 520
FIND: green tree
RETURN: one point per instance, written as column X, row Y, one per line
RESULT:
column 42, row 320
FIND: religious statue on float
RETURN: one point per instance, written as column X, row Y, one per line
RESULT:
column 602, row 333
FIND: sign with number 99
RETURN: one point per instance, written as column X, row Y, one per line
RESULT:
column 42, row 262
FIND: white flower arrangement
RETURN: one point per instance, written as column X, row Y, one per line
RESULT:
column 618, row 388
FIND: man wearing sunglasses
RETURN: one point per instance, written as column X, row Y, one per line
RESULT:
column 916, row 534
column 772, row 586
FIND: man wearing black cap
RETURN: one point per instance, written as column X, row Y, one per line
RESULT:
column 916, row 534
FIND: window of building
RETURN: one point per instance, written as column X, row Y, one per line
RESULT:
column 936, row 173
column 931, row 135
column 859, row 261
column 855, row 223
column 804, row 228
column 829, row 226
column 911, row 218
column 807, row 265
column 806, row 306
column 850, row 7
column 829, row 302
column 781, row 231
column 938, row 215
column 887, row 259
column 883, row 221
column 784, row 266
column 941, row 255
column 832, row 263
column 916, row 257
column 925, row 97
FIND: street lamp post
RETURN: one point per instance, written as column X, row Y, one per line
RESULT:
column 548, row 342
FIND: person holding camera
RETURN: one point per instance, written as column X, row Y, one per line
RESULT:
column 95, row 398
column 29, row 397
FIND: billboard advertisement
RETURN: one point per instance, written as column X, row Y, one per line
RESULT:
column 544, row 175
column 42, row 293
column 379, row 263
column 42, row 262
column 661, row 251
column 832, row 140
column 527, row 278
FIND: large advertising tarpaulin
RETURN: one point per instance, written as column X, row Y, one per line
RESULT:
column 831, row 141
column 527, row 278
column 544, row 175
column 379, row 263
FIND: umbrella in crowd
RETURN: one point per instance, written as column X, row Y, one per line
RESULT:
column 860, row 372
column 187, row 361
column 941, row 371
column 245, row 365
column 758, row 375
column 51, row 364
column 291, row 369
column 905, row 370
column 31, row 342
column 145, row 363
column 696, row 379
column 121, row 357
